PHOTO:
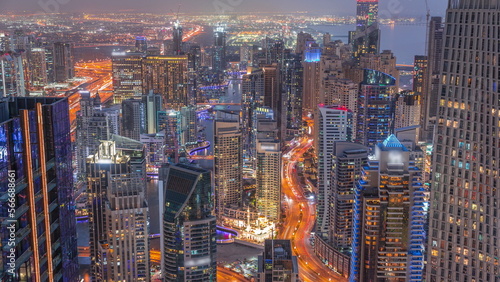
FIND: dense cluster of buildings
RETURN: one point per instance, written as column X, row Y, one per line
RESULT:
column 407, row 181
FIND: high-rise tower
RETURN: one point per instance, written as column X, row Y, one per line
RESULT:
column 219, row 51
column 35, row 157
column 375, row 119
column 141, row 44
column 118, row 216
column 127, row 75
column 228, row 164
column 366, row 38
column 167, row 76
column 366, row 13
column 63, row 61
column 388, row 220
column 177, row 38
column 333, row 124
column 432, row 79
column 464, row 238
column 188, row 224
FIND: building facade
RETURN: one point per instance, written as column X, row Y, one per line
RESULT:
column 228, row 164
column 464, row 234
column 188, row 224
column 333, row 124
column 375, row 116
column 35, row 156
column 389, row 217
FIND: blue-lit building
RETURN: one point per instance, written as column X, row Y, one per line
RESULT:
column 219, row 51
column 188, row 239
column 389, row 217
column 141, row 44
column 311, row 76
column 376, row 106
column 35, row 154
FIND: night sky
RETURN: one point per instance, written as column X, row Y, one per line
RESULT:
column 334, row 7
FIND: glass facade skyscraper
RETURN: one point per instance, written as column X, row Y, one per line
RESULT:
column 35, row 154
column 188, row 224
column 375, row 119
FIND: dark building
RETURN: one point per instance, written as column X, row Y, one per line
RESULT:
column 293, row 88
column 431, row 90
column 35, row 154
column 219, row 51
column 133, row 118
column 177, row 39
column 64, row 67
column 188, row 224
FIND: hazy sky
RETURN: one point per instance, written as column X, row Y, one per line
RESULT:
column 336, row 7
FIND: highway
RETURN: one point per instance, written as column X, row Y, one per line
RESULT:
column 226, row 275
column 300, row 217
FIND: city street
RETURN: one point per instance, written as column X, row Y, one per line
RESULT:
column 300, row 218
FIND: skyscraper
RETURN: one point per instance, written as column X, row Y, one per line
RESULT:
column 152, row 105
column 366, row 38
column 431, row 90
column 12, row 79
column 268, row 171
column 335, row 249
column 127, row 75
column 92, row 126
column 38, row 68
column 464, row 238
column 219, row 55
column 302, row 38
column 35, row 154
column 188, row 243
column 293, row 87
column 333, row 124
column 312, row 76
column 188, row 131
column 388, row 226
column 133, row 119
column 347, row 160
column 177, row 38
column 375, row 119
column 366, row 13
column 141, row 44
column 167, row 76
column 64, row 68
column 407, row 109
column 118, row 215
column 228, row 164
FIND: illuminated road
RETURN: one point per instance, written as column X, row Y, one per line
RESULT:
column 226, row 275
column 300, row 219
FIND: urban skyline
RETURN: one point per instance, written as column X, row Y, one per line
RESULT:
column 332, row 7
column 231, row 146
